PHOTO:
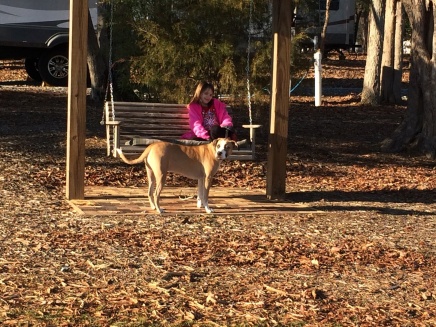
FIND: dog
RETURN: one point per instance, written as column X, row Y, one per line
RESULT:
column 199, row 162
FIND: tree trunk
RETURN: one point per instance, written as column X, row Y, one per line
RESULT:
column 324, row 28
column 96, row 65
column 398, row 55
column 418, row 129
column 371, row 81
column 391, row 73
column 364, row 35
column 387, row 62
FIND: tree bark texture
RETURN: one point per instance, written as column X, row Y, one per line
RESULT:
column 324, row 28
column 371, row 81
column 387, row 62
column 398, row 56
column 96, row 65
column 362, row 26
column 418, row 129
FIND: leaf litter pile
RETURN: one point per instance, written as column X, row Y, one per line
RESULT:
column 367, row 260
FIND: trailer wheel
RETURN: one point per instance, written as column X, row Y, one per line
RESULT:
column 53, row 66
column 31, row 66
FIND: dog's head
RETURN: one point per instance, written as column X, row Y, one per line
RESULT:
column 223, row 147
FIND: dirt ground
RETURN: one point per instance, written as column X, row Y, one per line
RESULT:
column 367, row 260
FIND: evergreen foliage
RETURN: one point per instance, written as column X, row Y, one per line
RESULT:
column 164, row 48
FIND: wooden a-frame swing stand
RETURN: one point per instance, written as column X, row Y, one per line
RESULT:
column 76, row 125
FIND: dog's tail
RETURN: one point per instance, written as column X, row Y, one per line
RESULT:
column 141, row 158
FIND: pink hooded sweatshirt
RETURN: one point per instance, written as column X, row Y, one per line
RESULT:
column 196, row 119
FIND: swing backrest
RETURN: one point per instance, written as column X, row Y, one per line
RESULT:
column 150, row 120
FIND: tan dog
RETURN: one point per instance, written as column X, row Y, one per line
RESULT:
column 199, row 162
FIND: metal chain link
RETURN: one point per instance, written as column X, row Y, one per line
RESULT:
column 110, row 59
column 109, row 88
column 247, row 69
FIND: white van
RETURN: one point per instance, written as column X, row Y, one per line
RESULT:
column 37, row 31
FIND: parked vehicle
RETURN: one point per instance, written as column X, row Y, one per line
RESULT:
column 37, row 31
column 340, row 33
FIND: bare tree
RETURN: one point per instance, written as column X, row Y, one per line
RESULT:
column 324, row 28
column 371, row 82
column 391, row 73
column 96, row 59
column 361, row 23
column 387, row 63
column 418, row 129
column 398, row 56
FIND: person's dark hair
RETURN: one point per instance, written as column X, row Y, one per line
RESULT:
column 201, row 87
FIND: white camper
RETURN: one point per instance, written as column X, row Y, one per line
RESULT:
column 37, row 31
column 340, row 34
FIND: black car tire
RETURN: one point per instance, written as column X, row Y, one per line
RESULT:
column 53, row 66
column 31, row 66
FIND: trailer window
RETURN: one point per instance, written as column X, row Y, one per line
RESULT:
column 334, row 5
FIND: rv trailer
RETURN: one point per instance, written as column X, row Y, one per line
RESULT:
column 340, row 33
column 37, row 31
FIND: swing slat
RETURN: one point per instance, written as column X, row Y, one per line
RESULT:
column 132, row 126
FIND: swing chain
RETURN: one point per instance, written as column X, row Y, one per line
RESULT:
column 109, row 87
column 247, row 69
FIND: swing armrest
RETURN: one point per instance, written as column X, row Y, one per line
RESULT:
column 113, row 122
column 252, row 129
column 115, row 125
column 251, row 126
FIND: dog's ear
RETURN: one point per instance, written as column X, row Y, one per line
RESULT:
column 215, row 142
column 234, row 144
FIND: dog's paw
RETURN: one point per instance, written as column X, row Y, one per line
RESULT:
column 199, row 203
column 209, row 210
column 160, row 210
column 119, row 151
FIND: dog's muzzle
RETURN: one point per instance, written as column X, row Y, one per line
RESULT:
column 223, row 149
column 221, row 154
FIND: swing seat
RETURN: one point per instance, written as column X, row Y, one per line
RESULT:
column 132, row 126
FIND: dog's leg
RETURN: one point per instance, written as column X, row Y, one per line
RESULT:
column 207, row 185
column 203, row 189
column 151, row 186
column 160, row 182
column 199, row 192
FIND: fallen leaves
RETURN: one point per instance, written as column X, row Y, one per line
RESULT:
column 368, row 260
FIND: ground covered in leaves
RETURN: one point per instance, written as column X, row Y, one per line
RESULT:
column 367, row 260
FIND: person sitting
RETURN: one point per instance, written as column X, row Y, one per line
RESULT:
column 208, row 116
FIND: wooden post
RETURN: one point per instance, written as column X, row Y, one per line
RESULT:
column 278, row 137
column 77, row 73
column 317, row 58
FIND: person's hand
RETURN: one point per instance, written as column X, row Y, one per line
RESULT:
column 229, row 128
